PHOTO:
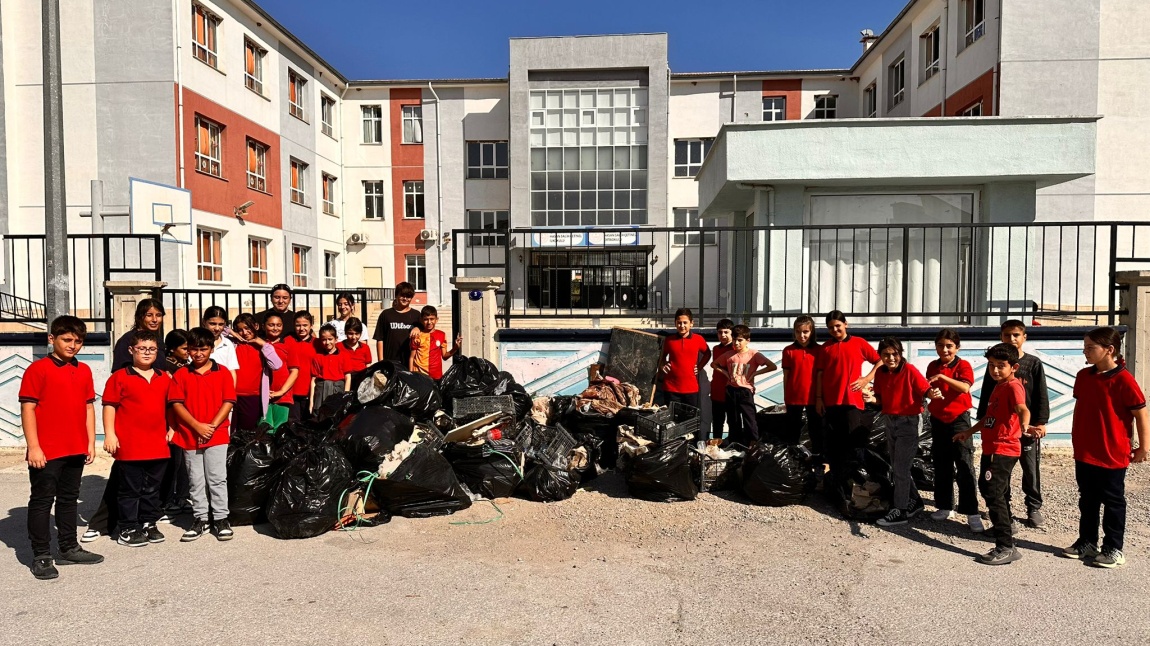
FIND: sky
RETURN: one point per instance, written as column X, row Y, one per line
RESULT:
column 406, row 39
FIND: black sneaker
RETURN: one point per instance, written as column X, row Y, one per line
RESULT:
column 916, row 508
column 224, row 530
column 198, row 529
column 78, row 556
column 1000, row 556
column 895, row 517
column 153, row 533
column 43, row 569
column 1080, row 550
column 1109, row 558
column 132, row 538
column 1035, row 518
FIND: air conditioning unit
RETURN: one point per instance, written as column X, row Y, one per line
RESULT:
column 357, row 238
column 428, row 235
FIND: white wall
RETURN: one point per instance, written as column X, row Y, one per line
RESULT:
column 366, row 162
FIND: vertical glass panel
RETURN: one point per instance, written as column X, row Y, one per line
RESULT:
column 571, row 159
column 554, row 159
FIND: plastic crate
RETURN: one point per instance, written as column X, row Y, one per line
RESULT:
column 476, row 407
column 675, row 421
column 712, row 469
column 547, row 444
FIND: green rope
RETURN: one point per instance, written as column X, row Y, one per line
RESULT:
column 366, row 478
column 518, row 471
column 482, row 522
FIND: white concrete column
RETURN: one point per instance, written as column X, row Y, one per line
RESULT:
column 477, row 310
column 1136, row 301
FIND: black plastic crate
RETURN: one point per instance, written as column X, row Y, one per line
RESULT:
column 467, row 408
column 547, row 444
column 675, row 421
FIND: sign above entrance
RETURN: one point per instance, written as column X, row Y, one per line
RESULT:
column 611, row 238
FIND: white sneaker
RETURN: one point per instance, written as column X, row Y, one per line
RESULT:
column 89, row 536
column 943, row 514
column 975, row 523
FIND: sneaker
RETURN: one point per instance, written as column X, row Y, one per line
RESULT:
column 894, row 517
column 1015, row 527
column 916, row 507
column 153, row 533
column 78, row 556
column 943, row 514
column 1109, row 558
column 1035, row 518
column 1000, row 556
column 198, row 529
column 166, row 519
column 89, row 535
column 1080, row 550
column 43, row 569
column 976, row 524
column 132, row 538
column 224, row 530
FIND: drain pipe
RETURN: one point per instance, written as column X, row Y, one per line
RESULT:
column 734, row 94
column 179, row 93
column 439, row 244
column 997, row 62
column 944, row 34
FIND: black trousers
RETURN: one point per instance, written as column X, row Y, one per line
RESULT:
column 138, row 496
column 1031, row 478
column 174, row 487
column 840, row 441
column 58, row 483
column 741, row 416
column 718, row 418
column 953, row 463
column 300, row 408
column 994, row 482
column 107, row 514
column 690, row 399
column 1105, row 488
column 814, row 422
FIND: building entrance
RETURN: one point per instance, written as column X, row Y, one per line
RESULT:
column 579, row 278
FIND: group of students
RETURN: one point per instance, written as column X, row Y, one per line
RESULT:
column 168, row 407
column 825, row 385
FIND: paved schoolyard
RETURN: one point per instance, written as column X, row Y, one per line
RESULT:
column 600, row 568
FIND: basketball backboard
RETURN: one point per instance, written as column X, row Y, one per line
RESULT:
column 159, row 208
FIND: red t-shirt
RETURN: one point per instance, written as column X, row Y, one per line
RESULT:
column 61, row 391
column 280, row 377
column 841, row 363
column 900, row 391
column 300, row 354
column 1104, row 416
column 357, row 359
column 203, row 395
column 329, row 367
column 141, row 413
column 251, row 370
column 953, row 402
column 1002, row 429
column 683, row 354
column 799, row 374
column 719, row 380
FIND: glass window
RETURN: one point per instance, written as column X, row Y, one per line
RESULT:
column 413, row 199
column 328, row 194
column 254, row 67
column 372, row 124
column 487, row 160
column 493, row 220
column 299, row 265
column 209, row 256
column 870, row 101
column 208, row 155
column 897, row 82
column 412, row 124
column 974, row 20
column 417, row 272
column 257, row 261
column 689, row 155
column 689, row 219
column 373, row 199
column 329, row 262
column 774, row 108
column 296, row 85
column 930, row 52
column 204, row 27
column 972, row 111
column 327, row 115
column 826, row 106
column 257, row 166
column 298, row 182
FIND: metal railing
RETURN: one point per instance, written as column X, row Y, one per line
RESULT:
column 185, row 307
column 901, row 274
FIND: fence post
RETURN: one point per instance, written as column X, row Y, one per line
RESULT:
column 477, row 309
column 125, row 295
column 1136, row 304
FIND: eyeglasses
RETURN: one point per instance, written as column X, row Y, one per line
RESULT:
column 146, row 350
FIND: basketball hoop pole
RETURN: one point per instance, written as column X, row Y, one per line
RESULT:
column 57, row 279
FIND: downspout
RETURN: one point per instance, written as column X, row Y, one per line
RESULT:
column 997, row 61
column 182, row 179
column 734, row 94
column 438, row 196
column 343, row 192
column 945, row 32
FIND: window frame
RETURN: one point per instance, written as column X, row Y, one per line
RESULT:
column 379, row 198
column 257, row 261
column 931, row 52
column 254, row 66
column 779, row 109
column 297, row 181
column 971, row 109
column 213, row 265
column 330, row 267
column 413, row 200
column 973, row 21
column 299, row 265
column 691, row 238
column 497, row 217
column 693, row 145
column 412, row 114
column 896, row 71
column 419, row 268
column 327, row 115
column 493, row 170
column 207, row 52
column 870, row 100
column 828, row 104
column 257, row 178
column 372, row 121
column 297, row 87
column 328, row 193
column 213, row 157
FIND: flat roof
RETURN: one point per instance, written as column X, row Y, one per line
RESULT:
column 413, row 82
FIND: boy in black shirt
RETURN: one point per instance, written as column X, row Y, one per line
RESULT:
column 395, row 327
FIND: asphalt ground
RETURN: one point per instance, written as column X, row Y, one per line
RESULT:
column 600, row 568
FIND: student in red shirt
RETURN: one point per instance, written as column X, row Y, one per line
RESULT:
column 724, row 349
column 302, row 349
column 799, row 384
column 201, row 399
column 743, row 365
column 59, row 423
column 838, row 388
column 684, row 354
column 1007, row 418
column 257, row 360
column 328, row 367
column 951, row 377
column 136, row 434
column 900, row 388
column 359, row 354
column 283, row 378
column 1108, row 402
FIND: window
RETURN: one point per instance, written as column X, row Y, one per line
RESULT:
column 204, row 25
column 298, row 179
column 487, row 160
column 328, row 194
column 870, row 101
column 689, row 155
column 299, row 265
column 254, row 66
column 296, row 85
column 413, row 199
column 412, row 124
column 974, row 20
column 373, row 199
column 930, row 52
column 209, row 256
column 417, row 272
column 973, row 111
column 494, row 220
column 257, row 166
column 897, row 82
column 774, row 108
column 689, row 218
column 372, row 124
column 329, row 260
column 257, row 261
column 208, row 158
column 326, row 115
column 826, row 106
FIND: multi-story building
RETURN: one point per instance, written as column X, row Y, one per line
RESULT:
column 360, row 182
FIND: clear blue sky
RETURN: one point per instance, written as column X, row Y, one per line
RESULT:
column 376, row 39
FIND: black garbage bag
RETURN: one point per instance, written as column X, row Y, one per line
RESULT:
column 293, row 438
column 369, row 434
column 252, row 476
column 333, row 410
column 492, row 470
column 468, row 377
column 597, row 433
column 306, row 501
column 873, row 430
column 663, row 474
column 922, row 467
column 414, row 394
column 389, row 370
column 423, row 485
column 775, row 475
column 778, row 426
column 505, row 384
column 546, row 483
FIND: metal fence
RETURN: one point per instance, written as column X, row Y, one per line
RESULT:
column 185, row 307
column 920, row 274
